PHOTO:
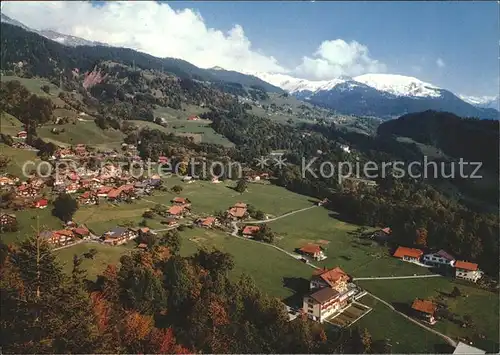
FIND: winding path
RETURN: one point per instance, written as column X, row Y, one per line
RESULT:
column 262, row 221
column 395, row 277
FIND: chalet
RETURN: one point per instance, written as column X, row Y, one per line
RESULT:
column 163, row 160
column 91, row 183
column 250, row 231
column 114, row 194
column 81, row 232
column 145, row 230
column 440, row 258
column 425, row 310
column 408, row 254
column 4, row 180
column 88, row 198
column 42, row 203
column 26, row 190
column 467, row 271
column 207, row 222
column 22, row 134
column 313, row 251
column 180, row 201
column 329, row 293
column 73, row 177
column 333, row 278
column 71, row 188
column 176, row 211
column 239, row 210
column 7, row 220
column 58, row 238
column 118, row 236
column 193, row 118
column 104, row 191
column 64, row 153
column 171, row 222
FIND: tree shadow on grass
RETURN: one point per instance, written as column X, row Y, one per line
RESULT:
column 342, row 217
column 299, row 286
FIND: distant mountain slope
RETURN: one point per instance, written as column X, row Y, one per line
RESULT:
column 471, row 139
column 381, row 95
column 53, row 35
column 243, row 79
column 176, row 66
column 482, row 101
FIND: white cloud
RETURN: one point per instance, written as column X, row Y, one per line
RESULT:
column 440, row 63
column 337, row 57
column 150, row 27
column 159, row 30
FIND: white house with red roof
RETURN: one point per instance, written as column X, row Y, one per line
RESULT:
column 330, row 292
column 440, row 258
column 43, row 203
column 467, row 271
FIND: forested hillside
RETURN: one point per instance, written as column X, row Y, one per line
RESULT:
column 468, row 138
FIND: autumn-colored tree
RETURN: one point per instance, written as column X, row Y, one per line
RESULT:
column 421, row 237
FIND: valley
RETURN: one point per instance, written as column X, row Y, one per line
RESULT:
column 123, row 254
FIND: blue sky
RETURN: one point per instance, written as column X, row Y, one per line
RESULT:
column 454, row 45
column 408, row 37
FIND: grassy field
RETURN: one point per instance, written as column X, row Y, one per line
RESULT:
column 17, row 159
column 9, row 124
column 361, row 258
column 267, row 266
column 208, row 198
column 178, row 123
column 106, row 255
column 171, row 114
column 482, row 306
column 83, row 133
column 34, row 85
column 27, row 222
column 403, row 335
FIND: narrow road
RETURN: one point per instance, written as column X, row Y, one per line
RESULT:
column 279, row 217
column 445, row 337
column 70, row 245
column 395, row 277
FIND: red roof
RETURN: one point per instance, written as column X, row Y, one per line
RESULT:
column 81, row 231
column 466, row 265
column 175, row 210
column 237, row 211
column 424, row 306
column 310, row 249
column 104, row 190
column 179, row 200
column 250, row 230
column 386, row 230
column 208, row 221
column 114, row 193
column 411, row 252
column 42, row 202
column 332, row 276
column 86, row 194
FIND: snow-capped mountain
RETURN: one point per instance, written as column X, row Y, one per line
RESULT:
column 398, row 85
column 53, row 35
column 381, row 95
column 482, row 101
